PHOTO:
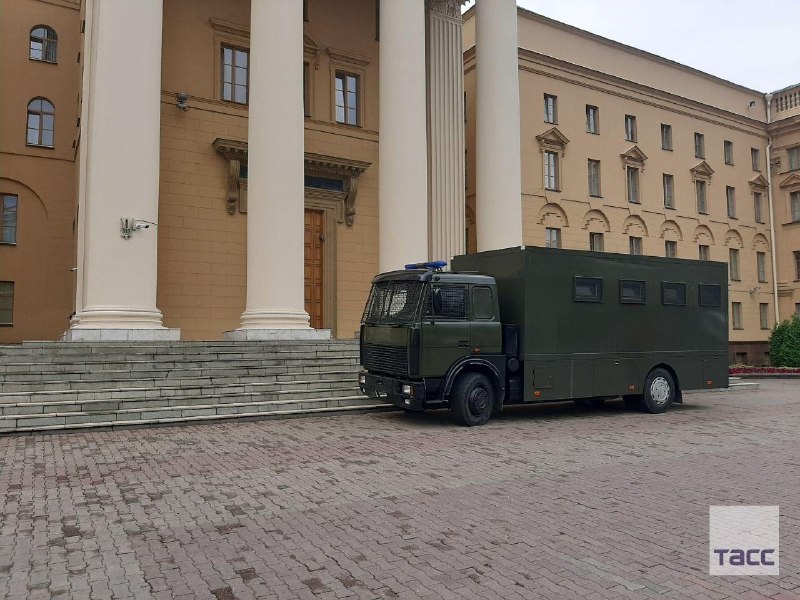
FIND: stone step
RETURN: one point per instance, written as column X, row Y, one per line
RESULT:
column 177, row 389
column 117, row 378
column 186, row 413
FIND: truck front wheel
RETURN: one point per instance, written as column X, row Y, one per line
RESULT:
column 472, row 399
column 659, row 391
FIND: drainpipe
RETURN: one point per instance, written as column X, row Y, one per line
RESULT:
column 768, row 99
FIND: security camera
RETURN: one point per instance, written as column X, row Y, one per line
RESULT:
column 141, row 225
column 182, row 100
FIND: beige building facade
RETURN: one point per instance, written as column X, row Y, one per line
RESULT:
column 203, row 187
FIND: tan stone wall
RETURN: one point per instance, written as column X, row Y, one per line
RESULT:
column 202, row 249
column 43, row 178
column 577, row 214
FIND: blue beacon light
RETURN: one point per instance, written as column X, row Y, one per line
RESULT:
column 435, row 265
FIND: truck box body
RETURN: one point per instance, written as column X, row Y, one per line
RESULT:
column 585, row 329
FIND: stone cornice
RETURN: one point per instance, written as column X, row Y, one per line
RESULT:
column 792, row 181
column 702, row 171
column 343, row 56
column 633, row 157
column 553, row 139
column 759, row 182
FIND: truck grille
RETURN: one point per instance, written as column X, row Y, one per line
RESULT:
column 389, row 360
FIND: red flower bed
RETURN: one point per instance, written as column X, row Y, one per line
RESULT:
column 746, row 370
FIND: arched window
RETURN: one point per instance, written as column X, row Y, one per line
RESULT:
column 44, row 42
column 41, row 122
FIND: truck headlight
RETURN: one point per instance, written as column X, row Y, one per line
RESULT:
column 362, row 379
column 407, row 389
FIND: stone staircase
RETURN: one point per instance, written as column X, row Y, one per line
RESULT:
column 56, row 385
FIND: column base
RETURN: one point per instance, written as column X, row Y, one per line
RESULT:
column 260, row 335
column 85, row 334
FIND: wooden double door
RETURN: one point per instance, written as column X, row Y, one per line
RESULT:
column 314, row 237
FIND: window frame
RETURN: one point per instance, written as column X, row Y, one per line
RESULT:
column 734, row 271
column 592, row 119
column 794, row 206
column 669, row 190
column 681, row 285
column 737, row 322
column 755, row 159
column 793, row 158
column 763, row 315
column 40, row 113
column 758, row 207
column 705, row 303
column 635, row 241
column 592, row 238
column 46, row 43
column 555, row 175
column 551, row 109
column 727, row 152
column 761, row 266
column 701, row 184
column 633, row 193
column 473, row 303
column 240, row 49
column 666, row 137
column 638, row 300
column 467, row 302
column 699, row 145
column 9, row 323
column 670, row 249
column 597, row 298
column 547, row 242
column 3, row 212
column 703, row 249
column 796, row 255
column 345, row 74
column 598, row 192
column 631, row 133
column 730, row 201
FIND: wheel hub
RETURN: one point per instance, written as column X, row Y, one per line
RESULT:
column 659, row 390
column 478, row 401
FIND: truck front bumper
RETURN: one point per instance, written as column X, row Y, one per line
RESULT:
column 411, row 395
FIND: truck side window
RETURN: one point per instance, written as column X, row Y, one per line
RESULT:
column 482, row 302
column 447, row 302
column 632, row 291
column 673, row 294
column 588, row 289
column 710, row 295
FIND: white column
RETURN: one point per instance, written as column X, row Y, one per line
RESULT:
column 446, row 119
column 498, row 172
column 275, row 198
column 119, row 173
column 403, row 167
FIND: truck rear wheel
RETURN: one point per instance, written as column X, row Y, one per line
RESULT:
column 659, row 391
column 472, row 399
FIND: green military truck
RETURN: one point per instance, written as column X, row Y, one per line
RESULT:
column 524, row 325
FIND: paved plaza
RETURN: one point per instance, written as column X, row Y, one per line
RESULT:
column 556, row 501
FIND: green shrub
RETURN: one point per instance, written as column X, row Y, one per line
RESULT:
column 784, row 343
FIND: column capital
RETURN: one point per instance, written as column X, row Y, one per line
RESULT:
column 450, row 8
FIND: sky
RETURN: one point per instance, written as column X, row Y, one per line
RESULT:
column 755, row 43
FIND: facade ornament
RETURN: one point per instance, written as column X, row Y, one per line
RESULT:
column 553, row 140
column 449, row 8
column 702, row 171
column 316, row 165
column 633, row 157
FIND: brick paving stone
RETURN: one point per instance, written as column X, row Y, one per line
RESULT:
column 545, row 502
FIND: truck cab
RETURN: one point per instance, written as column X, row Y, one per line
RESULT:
column 425, row 331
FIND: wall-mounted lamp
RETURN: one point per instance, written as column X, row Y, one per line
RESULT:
column 754, row 290
column 752, row 104
column 182, row 100
column 127, row 226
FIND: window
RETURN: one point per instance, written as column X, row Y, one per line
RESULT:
column 730, row 197
column 699, row 145
column 447, row 302
column 733, row 264
column 482, row 302
column 710, row 295
column 630, row 128
column 794, row 200
column 736, row 315
column 797, row 309
column 793, row 154
column 741, row 358
column 594, row 177
column 306, row 89
column 700, row 190
column 551, row 170
column 44, row 44
column 666, row 136
column 755, row 159
column 596, row 242
column 635, row 245
column 761, row 264
column 632, row 292
column 588, row 289
column 552, row 237
column 669, row 191
column 763, row 315
column 633, row 184
column 727, row 148
column 8, row 219
column 757, row 208
column 550, row 109
column 673, row 294
column 6, row 302
column 592, row 119
column 41, row 123
column 704, row 252
column 796, row 266
column 347, row 111
column 670, row 249
column 235, row 71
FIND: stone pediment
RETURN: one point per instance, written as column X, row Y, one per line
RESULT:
column 759, row 182
column 702, row 170
column 553, row 139
column 791, row 181
column 633, row 157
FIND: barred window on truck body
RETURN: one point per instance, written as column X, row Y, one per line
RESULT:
column 393, row 302
column 588, row 289
column 632, row 291
column 710, row 295
column 673, row 294
column 446, row 302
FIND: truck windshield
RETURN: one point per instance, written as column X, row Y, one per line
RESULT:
column 393, row 302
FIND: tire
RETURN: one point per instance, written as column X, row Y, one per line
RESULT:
column 659, row 391
column 472, row 399
column 633, row 402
